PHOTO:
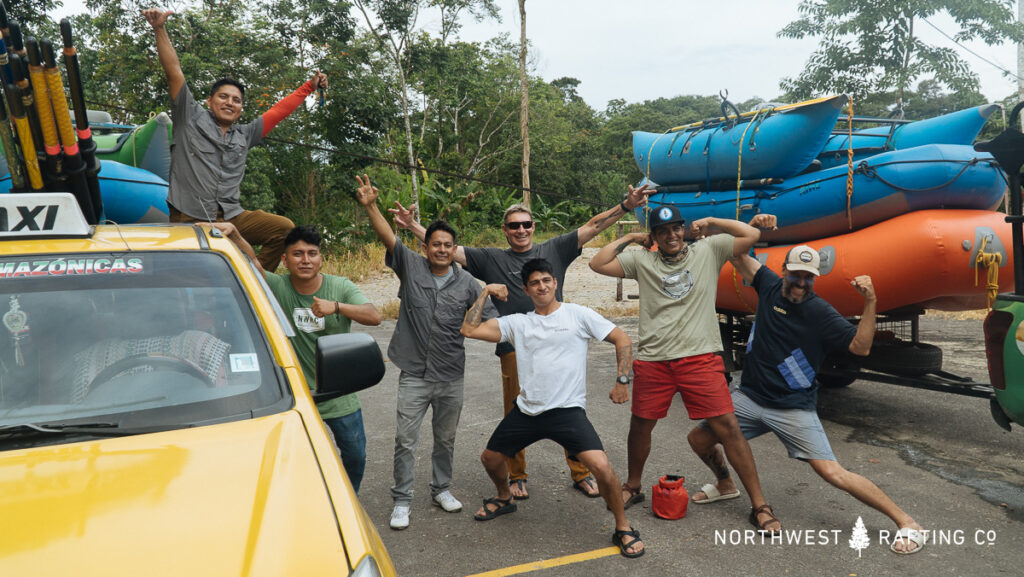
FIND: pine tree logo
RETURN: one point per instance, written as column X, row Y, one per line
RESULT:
column 859, row 539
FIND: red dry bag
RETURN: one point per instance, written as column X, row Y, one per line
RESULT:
column 669, row 498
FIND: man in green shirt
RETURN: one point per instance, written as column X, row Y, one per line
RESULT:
column 322, row 304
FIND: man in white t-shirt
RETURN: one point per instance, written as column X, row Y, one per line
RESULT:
column 551, row 345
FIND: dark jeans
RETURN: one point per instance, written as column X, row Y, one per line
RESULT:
column 351, row 440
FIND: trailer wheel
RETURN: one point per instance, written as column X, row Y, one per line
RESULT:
column 903, row 358
column 842, row 362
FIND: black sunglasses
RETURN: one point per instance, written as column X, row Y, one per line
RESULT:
column 517, row 225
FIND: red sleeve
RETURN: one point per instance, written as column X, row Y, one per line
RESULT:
column 285, row 106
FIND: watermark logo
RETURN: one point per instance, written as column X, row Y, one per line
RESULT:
column 859, row 539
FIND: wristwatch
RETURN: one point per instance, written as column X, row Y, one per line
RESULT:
column 623, row 380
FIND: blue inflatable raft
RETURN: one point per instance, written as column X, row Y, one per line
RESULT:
column 960, row 127
column 814, row 205
column 130, row 195
column 769, row 143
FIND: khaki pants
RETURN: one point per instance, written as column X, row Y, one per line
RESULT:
column 258, row 227
column 510, row 390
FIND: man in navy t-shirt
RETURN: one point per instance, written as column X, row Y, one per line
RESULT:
column 793, row 332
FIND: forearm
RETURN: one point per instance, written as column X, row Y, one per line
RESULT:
column 604, row 262
column 598, row 223
column 475, row 314
column 861, row 344
column 746, row 265
column 381, row 226
column 745, row 234
column 364, row 314
column 624, row 355
column 285, row 106
column 169, row 61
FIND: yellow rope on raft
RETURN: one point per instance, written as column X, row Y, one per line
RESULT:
column 991, row 262
column 739, row 178
column 849, row 166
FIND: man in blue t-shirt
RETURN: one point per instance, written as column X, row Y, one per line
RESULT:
column 793, row 332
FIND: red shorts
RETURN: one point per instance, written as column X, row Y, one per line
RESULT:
column 699, row 380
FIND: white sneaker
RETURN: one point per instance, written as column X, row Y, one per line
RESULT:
column 448, row 502
column 400, row 517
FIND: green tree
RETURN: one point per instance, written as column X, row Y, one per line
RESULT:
column 872, row 47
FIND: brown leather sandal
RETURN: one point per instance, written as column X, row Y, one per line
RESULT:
column 766, row 508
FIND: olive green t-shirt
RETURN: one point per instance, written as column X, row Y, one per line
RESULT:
column 308, row 328
column 677, row 301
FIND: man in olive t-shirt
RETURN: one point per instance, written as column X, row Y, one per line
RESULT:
column 321, row 304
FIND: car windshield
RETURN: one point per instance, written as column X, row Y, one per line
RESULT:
column 138, row 339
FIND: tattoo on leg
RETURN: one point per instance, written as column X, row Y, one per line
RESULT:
column 714, row 459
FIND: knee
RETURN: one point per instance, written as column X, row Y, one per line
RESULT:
column 832, row 472
column 700, row 439
column 491, row 459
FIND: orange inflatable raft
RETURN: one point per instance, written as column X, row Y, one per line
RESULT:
column 938, row 259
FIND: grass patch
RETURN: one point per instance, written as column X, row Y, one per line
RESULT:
column 357, row 264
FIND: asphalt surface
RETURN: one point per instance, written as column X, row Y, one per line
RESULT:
column 939, row 456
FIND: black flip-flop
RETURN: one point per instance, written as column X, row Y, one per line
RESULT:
column 520, row 484
column 617, row 540
column 578, row 485
column 504, row 506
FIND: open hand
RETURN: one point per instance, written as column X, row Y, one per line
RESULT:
column 403, row 216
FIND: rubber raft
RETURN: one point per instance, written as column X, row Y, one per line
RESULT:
column 925, row 259
column 816, row 204
column 768, row 143
column 960, row 127
column 146, row 146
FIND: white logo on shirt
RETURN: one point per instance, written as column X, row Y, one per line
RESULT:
column 307, row 322
column 677, row 285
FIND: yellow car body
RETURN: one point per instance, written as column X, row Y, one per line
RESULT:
column 227, row 494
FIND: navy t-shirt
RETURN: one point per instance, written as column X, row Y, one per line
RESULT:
column 787, row 345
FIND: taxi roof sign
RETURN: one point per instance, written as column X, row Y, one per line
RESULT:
column 41, row 215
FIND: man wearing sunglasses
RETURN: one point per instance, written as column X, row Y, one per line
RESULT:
column 793, row 332
column 502, row 266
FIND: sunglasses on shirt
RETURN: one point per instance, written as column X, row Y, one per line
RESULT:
column 527, row 224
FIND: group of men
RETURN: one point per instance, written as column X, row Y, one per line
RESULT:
column 541, row 342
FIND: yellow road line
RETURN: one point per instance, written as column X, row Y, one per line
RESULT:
column 549, row 563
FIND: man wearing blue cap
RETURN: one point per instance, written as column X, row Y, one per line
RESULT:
column 679, row 339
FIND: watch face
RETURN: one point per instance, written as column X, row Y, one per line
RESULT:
column 624, row 380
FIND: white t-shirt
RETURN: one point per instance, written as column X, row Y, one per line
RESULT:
column 551, row 355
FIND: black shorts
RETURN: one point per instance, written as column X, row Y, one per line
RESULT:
column 568, row 427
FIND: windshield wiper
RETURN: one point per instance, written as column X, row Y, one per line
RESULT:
column 101, row 429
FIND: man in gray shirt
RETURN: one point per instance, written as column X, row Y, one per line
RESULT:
column 429, row 348
column 210, row 147
column 502, row 266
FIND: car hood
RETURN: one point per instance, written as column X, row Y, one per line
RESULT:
column 240, row 498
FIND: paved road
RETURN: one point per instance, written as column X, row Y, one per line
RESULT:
column 939, row 456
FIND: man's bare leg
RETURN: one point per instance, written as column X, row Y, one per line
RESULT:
column 608, row 484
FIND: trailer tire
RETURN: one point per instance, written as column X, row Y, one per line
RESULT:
column 904, row 358
column 843, row 361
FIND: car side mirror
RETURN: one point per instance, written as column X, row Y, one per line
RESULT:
column 346, row 363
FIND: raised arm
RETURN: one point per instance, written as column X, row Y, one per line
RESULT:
column 404, row 219
column 634, row 198
column 367, row 195
column 604, row 262
column 861, row 343
column 288, row 104
column 745, row 235
column 746, row 265
column 624, row 362
column 473, row 325
column 165, row 51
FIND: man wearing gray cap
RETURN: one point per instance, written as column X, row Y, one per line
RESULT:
column 793, row 332
column 679, row 339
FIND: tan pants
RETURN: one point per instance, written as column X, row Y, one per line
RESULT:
column 510, row 390
column 258, row 227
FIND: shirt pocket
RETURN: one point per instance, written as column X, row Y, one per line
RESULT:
column 451, row 309
column 234, row 158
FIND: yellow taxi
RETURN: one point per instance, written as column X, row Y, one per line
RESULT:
column 154, row 419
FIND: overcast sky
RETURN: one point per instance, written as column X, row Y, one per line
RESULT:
column 642, row 49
